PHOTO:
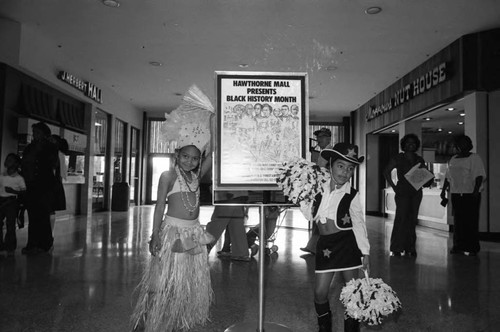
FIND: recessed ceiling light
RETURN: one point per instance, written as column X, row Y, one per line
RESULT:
column 440, row 129
column 155, row 63
column 460, row 122
column 331, row 68
column 450, row 109
column 462, row 114
column 243, row 65
column 427, row 119
column 393, row 131
column 373, row 10
column 178, row 94
column 450, row 132
column 111, row 3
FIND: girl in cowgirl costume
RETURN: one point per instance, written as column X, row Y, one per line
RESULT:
column 343, row 242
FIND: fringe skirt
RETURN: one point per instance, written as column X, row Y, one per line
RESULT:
column 175, row 292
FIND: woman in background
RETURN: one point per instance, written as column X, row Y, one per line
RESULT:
column 464, row 180
column 404, row 237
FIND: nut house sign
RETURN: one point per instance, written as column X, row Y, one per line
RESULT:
column 430, row 79
column 89, row 89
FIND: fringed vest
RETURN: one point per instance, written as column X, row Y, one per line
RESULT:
column 343, row 220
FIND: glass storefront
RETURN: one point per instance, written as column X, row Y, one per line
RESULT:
column 119, row 166
column 160, row 158
column 100, row 192
column 133, row 179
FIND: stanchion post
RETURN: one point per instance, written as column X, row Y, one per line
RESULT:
column 262, row 327
column 262, row 241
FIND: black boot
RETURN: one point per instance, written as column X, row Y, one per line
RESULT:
column 325, row 322
column 324, row 316
column 351, row 325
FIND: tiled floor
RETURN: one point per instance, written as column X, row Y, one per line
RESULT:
column 87, row 282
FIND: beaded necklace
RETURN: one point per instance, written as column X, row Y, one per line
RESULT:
column 187, row 186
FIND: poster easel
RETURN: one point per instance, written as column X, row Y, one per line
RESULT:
column 262, row 121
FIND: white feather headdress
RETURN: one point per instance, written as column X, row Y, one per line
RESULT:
column 189, row 124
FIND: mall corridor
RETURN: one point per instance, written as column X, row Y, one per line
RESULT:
column 87, row 283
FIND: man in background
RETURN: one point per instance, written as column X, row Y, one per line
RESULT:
column 324, row 139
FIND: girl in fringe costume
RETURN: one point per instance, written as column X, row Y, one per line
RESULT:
column 175, row 292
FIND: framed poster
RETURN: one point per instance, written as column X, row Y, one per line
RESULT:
column 262, row 120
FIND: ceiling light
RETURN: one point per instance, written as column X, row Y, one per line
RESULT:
column 155, row 63
column 373, row 10
column 427, row 119
column 460, row 122
column 450, row 132
column 393, row 131
column 450, row 109
column 440, row 129
column 462, row 114
column 111, row 3
column 243, row 65
column 331, row 68
column 97, row 124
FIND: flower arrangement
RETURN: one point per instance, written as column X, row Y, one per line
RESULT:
column 368, row 300
column 301, row 180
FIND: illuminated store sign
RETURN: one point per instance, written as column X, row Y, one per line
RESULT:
column 89, row 89
column 430, row 79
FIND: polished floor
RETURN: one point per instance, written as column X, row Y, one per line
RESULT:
column 87, row 283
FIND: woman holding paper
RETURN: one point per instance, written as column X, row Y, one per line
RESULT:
column 408, row 195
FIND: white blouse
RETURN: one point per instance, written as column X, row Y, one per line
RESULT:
column 462, row 173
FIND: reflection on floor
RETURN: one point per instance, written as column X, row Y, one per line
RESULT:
column 87, row 282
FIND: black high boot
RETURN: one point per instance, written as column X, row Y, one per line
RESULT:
column 351, row 325
column 324, row 317
column 325, row 322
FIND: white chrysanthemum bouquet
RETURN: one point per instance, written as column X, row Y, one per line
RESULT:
column 368, row 300
column 301, row 181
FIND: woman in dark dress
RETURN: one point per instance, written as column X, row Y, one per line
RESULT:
column 403, row 237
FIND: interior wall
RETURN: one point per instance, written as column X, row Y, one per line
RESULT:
column 10, row 34
column 359, row 138
column 476, row 121
column 32, row 53
column 493, row 161
column 9, row 137
column 44, row 59
column 372, row 174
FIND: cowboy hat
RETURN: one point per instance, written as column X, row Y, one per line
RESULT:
column 346, row 151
